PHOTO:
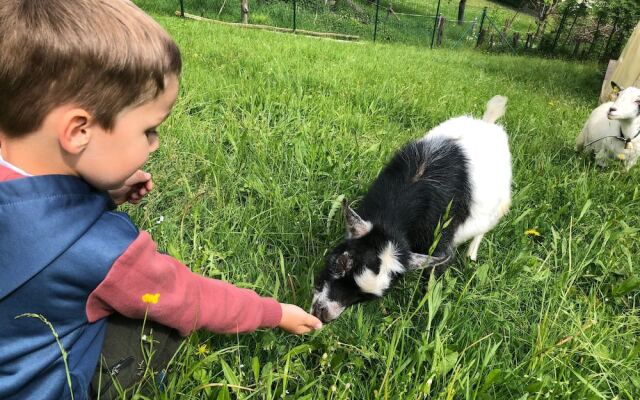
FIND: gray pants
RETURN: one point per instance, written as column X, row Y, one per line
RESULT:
column 129, row 355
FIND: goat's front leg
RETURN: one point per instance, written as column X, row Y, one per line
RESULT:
column 630, row 161
column 602, row 158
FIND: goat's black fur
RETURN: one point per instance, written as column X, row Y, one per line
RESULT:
column 404, row 205
column 411, row 195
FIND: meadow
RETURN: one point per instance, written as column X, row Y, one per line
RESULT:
column 271, row 130
column 412, row 23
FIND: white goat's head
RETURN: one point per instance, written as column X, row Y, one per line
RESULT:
column 627, row 105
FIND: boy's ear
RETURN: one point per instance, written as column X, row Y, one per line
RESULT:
column 74, row 130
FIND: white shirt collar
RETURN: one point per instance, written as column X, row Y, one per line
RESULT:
column 13, row 167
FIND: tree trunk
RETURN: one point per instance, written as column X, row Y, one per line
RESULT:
column 244, row 8
column 573, row 24
column 461, row 7
column 596, row 35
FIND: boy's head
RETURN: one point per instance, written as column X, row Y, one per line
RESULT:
column 86, row 69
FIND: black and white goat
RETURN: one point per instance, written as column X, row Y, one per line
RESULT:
column 463, row 164
column 613, row 129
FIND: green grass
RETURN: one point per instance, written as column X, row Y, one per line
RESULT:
column 270, row 129
column 413, row 24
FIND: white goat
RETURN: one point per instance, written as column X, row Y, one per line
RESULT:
column 613, row 129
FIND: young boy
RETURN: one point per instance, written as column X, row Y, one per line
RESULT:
column 84, row 84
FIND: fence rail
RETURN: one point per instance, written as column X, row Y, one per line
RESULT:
column 432, row 23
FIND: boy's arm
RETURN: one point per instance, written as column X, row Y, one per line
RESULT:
column 177, row 297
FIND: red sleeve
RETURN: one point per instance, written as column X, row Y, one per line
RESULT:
column 187, row 301
column 7, row 174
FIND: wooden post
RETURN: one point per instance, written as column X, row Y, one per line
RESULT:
column 577, row 48
column 182, row 8
column 244, row 9
column 529, row 42
column 481, row 36
column 516, row 39
column 461, row 7
column 441, row 21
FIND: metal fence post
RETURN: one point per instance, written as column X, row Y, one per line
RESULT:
column 480, row 33
column 182, row 8
column 294, row 15
column 435, row 23
column 375, row 27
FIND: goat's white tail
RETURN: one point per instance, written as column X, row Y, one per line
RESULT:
column 495, row 109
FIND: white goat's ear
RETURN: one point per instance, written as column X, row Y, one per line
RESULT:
column 616, row 88
column 356, row 226
column 422, row 261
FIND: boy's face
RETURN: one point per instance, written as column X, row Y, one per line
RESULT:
column 113, row 156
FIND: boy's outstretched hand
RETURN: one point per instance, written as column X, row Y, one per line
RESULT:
column 134, row 188
column 296, row 320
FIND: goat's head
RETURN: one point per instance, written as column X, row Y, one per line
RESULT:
column 360, row 268
column 627, row 105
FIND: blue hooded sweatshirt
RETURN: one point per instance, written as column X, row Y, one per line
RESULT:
column 58, row 240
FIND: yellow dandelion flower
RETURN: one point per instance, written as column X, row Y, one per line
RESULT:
column 532, row 232
column 203, row 349
column 150, row 298
column 621, row 156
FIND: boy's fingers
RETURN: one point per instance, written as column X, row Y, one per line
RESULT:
column 138, row 177
column 304, row 329
column 314, row 322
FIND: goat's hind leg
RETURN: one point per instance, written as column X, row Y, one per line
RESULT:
column 473, row 247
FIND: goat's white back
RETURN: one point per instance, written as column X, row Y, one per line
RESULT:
column 486, row 148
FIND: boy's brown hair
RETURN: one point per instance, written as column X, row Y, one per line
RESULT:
column 101, row 55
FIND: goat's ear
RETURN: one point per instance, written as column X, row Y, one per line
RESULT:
column 423, row 261
column 356, row 226
column 344, row 264
column 616, row 88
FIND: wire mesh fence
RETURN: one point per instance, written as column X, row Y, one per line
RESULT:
column 570, row 33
